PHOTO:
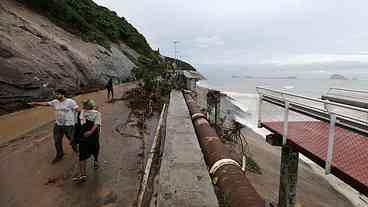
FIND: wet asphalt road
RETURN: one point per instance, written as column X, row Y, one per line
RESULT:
column 28, row 179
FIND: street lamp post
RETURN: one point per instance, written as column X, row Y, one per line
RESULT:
column 176, row 61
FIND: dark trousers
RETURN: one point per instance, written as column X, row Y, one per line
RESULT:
column 59, row 132
column 110, row 91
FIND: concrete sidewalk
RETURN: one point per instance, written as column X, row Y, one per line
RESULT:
column 184, row 179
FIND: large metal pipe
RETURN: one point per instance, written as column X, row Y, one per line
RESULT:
column 230, row 178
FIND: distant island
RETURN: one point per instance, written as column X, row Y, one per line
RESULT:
column 338, row 77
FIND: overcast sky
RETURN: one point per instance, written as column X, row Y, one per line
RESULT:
column 266, row 33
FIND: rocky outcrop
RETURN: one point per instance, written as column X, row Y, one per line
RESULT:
column 338, row 77
column 36, row 56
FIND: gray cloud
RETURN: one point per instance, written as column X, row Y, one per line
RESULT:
column 260, row 33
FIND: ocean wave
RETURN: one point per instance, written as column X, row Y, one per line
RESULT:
column 238, row 105
column 235, row 95
column 243, row 109
column 288, row 87
column 203, row 84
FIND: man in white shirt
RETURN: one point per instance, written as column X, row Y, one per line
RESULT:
column 65, row 109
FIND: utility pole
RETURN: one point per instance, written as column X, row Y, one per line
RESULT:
column 176, row 61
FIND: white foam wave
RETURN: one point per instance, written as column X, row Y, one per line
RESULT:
column 252, row 126
column 235, row 95
column 203, row 84
column 245, row 110
column 239, row 105
column 288, row 87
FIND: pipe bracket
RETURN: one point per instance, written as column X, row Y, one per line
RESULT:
column 219, row 163
column 197, row 116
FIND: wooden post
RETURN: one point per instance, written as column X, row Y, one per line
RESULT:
column 288, row 177
column 217, row 110
column 213, row 106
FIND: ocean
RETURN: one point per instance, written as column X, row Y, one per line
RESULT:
column 241, row 93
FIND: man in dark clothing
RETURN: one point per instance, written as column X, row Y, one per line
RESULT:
column 110, row 90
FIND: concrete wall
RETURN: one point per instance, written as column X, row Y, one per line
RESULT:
column 184, row 179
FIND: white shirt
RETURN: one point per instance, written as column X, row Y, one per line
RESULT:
column 64, row 111
column 90, row 115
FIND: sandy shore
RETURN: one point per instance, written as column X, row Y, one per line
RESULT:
column 313, row 190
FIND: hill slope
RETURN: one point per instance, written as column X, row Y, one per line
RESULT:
column 41, row 50
column 182, row 65
column 92, row 22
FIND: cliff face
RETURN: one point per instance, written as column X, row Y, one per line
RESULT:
column 36, row 56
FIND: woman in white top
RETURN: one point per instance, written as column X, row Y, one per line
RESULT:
column 88, row 135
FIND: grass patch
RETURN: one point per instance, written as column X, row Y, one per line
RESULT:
column 222, row 197
column 252, row 166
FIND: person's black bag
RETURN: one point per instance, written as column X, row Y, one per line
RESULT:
column 78, row 130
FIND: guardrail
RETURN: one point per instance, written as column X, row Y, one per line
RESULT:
column 345, row 116
column 357, row 98
column 154, row 150
column 348, row 90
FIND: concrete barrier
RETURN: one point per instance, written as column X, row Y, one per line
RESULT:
column 184, row 179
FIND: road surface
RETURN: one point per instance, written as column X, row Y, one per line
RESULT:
column 28, row 179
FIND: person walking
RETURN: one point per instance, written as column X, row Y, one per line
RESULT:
column 110, row 90
column 65, row 109
column 89, row 121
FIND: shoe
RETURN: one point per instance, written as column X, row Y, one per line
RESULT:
column 80, row 178
column 95, row 165
column 57, row 159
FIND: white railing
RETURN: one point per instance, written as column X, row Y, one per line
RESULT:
column 334, row 113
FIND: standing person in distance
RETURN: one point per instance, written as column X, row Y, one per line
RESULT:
column 110, row 90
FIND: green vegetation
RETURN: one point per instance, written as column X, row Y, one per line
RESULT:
column 223, row 198
column 252, row 166
column 92, row 22
column 150, row 71
column 181, row 64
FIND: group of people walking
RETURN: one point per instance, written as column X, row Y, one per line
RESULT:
column 81, row 126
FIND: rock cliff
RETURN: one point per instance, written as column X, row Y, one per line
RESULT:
column 37, row 56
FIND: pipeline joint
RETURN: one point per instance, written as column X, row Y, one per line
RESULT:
column 197, row 116
column 219, row 163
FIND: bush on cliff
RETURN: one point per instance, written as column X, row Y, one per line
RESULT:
column 92, row 22
column 150, row 71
